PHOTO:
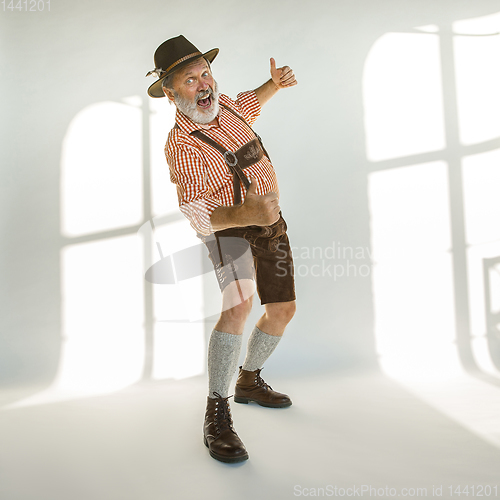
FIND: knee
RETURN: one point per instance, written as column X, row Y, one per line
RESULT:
column 283, row 312
column 239, row 313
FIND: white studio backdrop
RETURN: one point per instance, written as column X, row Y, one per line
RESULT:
column 387, row 155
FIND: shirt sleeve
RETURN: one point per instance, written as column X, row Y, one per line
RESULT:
column 188, row 172
column 247, row 105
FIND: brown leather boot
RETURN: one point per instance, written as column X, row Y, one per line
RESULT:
column 218, row 434
column 251, row 387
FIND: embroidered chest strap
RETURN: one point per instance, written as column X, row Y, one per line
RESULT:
column 250, row 153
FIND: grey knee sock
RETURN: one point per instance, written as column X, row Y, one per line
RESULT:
column 223, row 353
column 260, row 346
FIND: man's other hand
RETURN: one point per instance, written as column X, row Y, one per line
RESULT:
column 282, row 77
column 258, row 209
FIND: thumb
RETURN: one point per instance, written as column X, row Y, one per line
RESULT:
column 252, row 189
column 273, row 64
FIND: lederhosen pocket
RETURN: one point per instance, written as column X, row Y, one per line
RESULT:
column 266, row 237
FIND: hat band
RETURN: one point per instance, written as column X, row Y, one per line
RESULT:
column 182, row 59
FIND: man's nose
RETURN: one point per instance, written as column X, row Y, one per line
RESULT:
column 203, row 86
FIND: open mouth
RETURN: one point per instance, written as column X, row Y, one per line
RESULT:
column 205, row 102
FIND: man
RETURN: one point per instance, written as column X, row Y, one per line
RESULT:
column 227, row 188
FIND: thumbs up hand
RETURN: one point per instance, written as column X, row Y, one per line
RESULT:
column 260, row 210
column 282, row 77
column 252, row 188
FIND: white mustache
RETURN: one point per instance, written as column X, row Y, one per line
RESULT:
column 204, row 95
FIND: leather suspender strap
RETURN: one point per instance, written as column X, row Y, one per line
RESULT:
column 232, row 163
column 245, row 122
column 231, row 159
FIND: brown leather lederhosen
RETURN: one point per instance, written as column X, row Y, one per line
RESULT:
column 269, row 244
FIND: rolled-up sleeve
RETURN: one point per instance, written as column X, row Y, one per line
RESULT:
column 188, row 173
column 247, row 105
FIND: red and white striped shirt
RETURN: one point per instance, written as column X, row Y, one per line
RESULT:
column 199, row 171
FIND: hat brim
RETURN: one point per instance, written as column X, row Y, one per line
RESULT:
column 155, row 89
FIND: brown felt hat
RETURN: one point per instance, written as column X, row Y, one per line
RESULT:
column 173, row 55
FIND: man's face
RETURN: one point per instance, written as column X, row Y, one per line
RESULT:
column 195, row 92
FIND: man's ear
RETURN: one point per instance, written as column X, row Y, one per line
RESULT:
column 169, row 94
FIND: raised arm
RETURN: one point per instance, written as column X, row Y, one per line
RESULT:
column 280, row 78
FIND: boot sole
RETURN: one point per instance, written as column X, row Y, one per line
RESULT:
column 227, row 460
column 261, row 403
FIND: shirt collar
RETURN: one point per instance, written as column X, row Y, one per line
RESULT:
column 188, row 125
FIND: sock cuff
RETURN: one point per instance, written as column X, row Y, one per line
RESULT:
column 260, row 346
column 224, row 338
column 257, row 330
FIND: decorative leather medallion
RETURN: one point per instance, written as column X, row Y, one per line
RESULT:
column 253, row 152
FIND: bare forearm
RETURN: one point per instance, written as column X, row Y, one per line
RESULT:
column 266, row 91
column 257, row 210
column 280, row 78
column 226, row 217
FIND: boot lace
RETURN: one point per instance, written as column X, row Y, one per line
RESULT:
column 260, row 381
column 223, row 419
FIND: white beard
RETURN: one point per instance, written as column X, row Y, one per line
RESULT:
column 194, row 112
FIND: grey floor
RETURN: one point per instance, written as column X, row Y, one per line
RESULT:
column 344, row 431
